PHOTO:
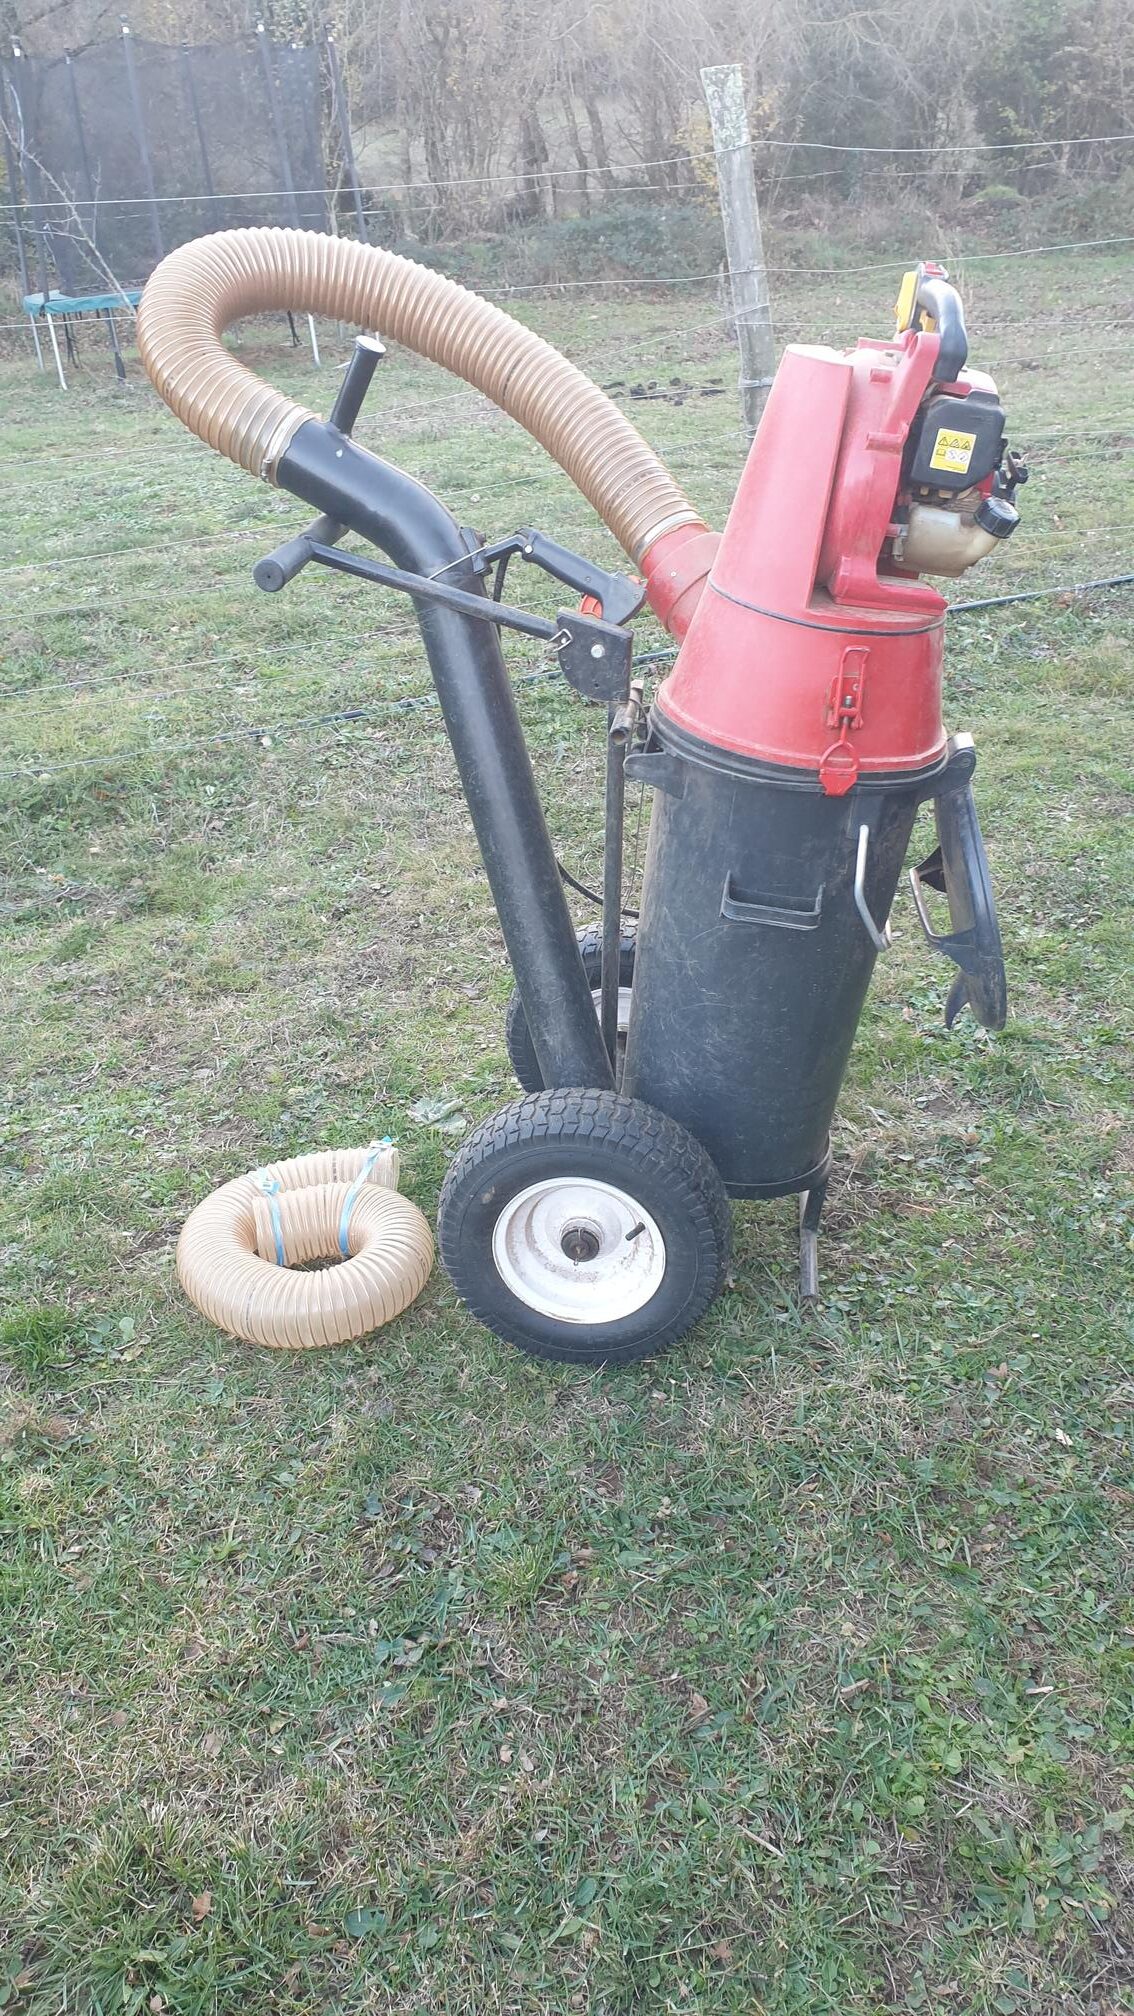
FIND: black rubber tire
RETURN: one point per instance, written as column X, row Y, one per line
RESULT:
column 612, row 1140
column 517, row 1035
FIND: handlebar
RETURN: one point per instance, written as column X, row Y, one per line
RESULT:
column 937, row 299
column 929, row 293
column 276, row 569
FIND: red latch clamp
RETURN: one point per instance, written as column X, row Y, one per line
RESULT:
column 838, row 765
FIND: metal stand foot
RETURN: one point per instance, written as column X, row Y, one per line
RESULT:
column 810, row 1211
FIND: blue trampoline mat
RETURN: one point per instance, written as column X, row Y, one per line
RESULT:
column 79, row 304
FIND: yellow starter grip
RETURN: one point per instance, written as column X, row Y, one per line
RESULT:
column 907, row 300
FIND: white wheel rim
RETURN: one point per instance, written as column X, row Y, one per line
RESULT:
column 623, row 1007
column 578, row 1251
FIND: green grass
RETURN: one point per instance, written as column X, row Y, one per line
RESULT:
column 792, row 1673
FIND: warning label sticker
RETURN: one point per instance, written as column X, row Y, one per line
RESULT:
column 952, row 451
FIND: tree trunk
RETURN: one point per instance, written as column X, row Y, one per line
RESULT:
column 578, row 150
column 533, row 160
column 598, row 136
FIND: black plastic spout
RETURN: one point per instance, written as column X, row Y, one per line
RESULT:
column 412, row 527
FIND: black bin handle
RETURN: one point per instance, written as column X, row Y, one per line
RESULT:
column 781, row 911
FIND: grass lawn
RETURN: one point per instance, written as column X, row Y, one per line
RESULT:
column 791, row 1673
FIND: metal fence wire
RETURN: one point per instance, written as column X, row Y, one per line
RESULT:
column 106, row 138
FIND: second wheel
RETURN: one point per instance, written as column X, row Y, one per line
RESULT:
column 517, row 1035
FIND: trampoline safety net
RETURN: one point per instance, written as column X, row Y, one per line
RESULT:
column 132, row 148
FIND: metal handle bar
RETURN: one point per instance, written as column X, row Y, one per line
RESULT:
column 881, row 939
column 941, row 301
column 276, row 569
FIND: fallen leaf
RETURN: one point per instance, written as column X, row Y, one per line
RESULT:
column 721, row 1953
column 429, row 1112
column 201, row 1906
column 155, row 2005
column 363, row 1919
column 505, row 1753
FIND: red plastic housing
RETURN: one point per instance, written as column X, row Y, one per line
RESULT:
column 805, row 648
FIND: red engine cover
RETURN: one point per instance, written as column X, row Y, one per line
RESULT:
column 805, row 648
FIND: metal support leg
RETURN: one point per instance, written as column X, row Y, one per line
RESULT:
column 612, row 890
column 810, row 1211
column 119, row 366
column 315, row 357
column 55, row 352
column 36, row 341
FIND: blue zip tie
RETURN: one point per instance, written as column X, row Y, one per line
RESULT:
column 351, row 1198
column 271, row 1187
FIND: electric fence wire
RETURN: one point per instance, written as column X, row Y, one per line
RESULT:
column 787, row 271
column 932, row 150
column 33, row 769
column 225, row 538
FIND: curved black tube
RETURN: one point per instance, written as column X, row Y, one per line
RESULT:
column 943, row 303
column 406, row 522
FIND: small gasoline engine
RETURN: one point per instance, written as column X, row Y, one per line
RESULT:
column 699, row 1056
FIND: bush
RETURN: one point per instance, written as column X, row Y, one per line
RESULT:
column 623, row 243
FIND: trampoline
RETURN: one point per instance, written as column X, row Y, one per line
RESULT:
column 69, row 309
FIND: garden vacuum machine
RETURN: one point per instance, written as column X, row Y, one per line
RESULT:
column 700, row 1056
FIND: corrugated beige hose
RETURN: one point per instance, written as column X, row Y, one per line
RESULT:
column 238, row 1250
column 196, row 293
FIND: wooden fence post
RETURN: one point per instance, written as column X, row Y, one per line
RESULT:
column 748, row 275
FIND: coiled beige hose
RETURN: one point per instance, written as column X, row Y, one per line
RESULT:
column 195, row 293
column 238, row 1248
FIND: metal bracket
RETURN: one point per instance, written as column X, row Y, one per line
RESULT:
column 959, row 866
column 659, row 768
column 594, row 656
column 844, row 701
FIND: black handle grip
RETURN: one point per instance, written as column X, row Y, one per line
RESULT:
column 276, row 569
column 940, row 300
column 620, row 597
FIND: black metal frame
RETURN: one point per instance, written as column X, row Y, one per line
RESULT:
column 442, row 567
